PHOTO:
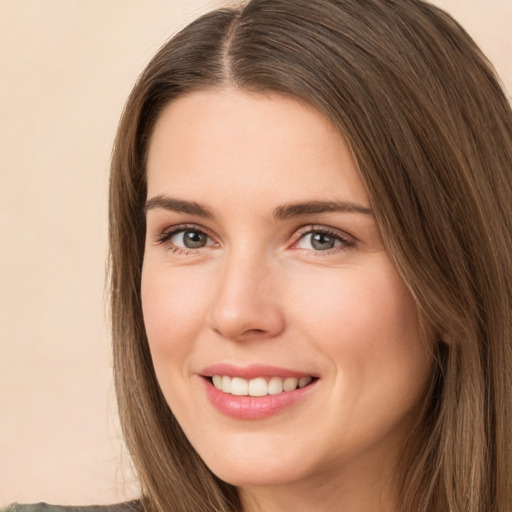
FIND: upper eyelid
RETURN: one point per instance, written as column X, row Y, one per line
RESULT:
column 168, row 232
column 347, row 241
column 314, row 228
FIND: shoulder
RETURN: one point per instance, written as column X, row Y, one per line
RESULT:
column 129, row 506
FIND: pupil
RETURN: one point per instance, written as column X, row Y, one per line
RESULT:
column 322, row 242
column 194, row 240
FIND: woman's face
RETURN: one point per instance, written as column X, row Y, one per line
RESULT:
column 264, row 271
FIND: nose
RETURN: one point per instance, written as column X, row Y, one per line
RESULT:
column 246, row 303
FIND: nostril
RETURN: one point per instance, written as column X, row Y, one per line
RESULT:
column 244, row 320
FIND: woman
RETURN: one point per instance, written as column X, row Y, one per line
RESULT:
column 310, row 226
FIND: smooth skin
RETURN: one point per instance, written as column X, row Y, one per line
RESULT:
column 232, row 274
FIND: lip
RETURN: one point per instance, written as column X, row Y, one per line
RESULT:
column 248, row 407
column 252, row 371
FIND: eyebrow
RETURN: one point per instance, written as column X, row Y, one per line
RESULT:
column 314, row 207
column 282, row 212
column 178, row 205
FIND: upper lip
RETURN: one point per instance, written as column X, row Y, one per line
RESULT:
column 252, row 371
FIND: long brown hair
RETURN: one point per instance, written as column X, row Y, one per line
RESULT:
column 431, row 131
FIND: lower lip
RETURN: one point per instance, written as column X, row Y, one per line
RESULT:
column 254, row 408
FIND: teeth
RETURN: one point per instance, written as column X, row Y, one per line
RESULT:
column 226, row 384
column 304, row 381
column 275, row 386
column 290, row 384
column 259, row 386
column 239, row 386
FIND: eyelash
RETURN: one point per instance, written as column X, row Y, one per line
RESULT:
column 346, row 242
column 167, row 234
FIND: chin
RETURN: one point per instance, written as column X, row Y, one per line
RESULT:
column 243, row 476
column 255, row 469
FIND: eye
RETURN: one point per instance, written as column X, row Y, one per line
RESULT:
column 185, row 238
column 323, row 240
column 189, row 239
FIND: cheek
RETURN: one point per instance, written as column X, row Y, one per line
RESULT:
column 171, row 305
column 367, row 324
column 355, row 305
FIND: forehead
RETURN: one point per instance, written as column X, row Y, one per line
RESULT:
column 266, row 144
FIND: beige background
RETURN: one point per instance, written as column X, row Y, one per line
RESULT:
column 66, row 67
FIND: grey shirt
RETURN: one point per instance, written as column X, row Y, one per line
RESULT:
column 130, row 506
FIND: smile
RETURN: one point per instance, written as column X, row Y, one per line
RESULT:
column 259, row 386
